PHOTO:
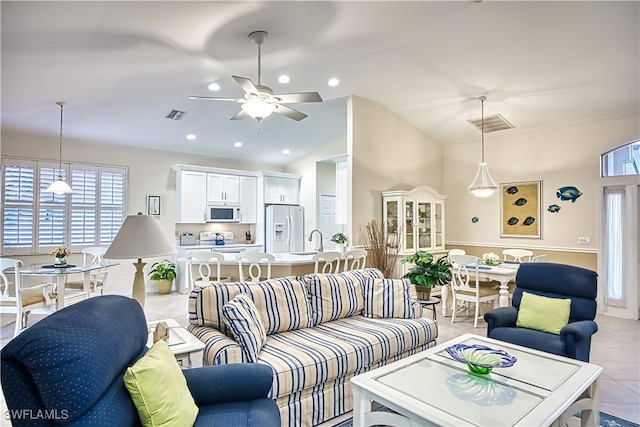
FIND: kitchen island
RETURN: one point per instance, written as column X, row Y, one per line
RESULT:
column 285, row 264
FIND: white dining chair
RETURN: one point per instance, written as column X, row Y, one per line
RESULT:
column 540, row 258
column 38, row 299
column 98, row 278
column 204, row 260
column 517, row 255
column 255, row 262
column 354, row 259
column 466, row 287
column 455, row 252
column 330, row 260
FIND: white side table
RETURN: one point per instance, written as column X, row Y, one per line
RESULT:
column 188, row 350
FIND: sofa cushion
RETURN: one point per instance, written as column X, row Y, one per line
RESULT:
column 166, row 406
column 336, row 296
column 385, row 298
column 242, row 317
column 309, row 357
column 282, row 304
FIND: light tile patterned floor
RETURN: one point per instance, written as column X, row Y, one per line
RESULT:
column 616, row 347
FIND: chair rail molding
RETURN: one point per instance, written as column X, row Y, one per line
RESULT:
column 524, row 246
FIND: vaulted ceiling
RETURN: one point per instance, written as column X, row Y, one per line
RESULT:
column 122, row 66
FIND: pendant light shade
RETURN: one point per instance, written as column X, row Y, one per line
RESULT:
column 483, row 185
column 59, row 186
column 258, row 109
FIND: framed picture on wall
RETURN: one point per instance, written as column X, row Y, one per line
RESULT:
column 521, row 209
column 153, row 205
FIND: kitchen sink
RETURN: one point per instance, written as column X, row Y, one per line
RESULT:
column 304, row 253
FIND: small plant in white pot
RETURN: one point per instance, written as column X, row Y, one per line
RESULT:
column 163, row 273
column 340, row 240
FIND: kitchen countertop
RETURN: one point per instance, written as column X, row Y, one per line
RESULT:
column 226, row 245
column 283, row 259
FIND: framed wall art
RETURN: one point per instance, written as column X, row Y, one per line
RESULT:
column 521, row 209
column 153, row 205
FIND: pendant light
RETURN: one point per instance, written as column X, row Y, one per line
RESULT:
column 59, row 186
column 483, row 185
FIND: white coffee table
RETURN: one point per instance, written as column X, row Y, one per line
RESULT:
column 187, row 349
column 541, row 389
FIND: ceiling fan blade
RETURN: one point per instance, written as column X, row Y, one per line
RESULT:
column 293, row 98
column 240, row 115
column 289, row 112
column 246, row 84
column 213, row 98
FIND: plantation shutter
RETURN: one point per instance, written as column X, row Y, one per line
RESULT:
column 18, row 189
column 112, row 202
column 84, row 204
column 52, row 209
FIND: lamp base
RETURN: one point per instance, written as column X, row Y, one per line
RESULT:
column 138, row 290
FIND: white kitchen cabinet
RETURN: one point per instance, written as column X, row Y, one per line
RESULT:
column 248, row 199
column 223, row 189
column 417, row 217
column 282, row 191
column 191, row 190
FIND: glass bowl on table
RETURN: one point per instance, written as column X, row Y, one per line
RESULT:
column 481, row 359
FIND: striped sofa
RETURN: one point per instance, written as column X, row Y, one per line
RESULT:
column 317, row 337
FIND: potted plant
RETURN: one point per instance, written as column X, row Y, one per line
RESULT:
column 339, row 239
column 163, row 273
column 427, row 274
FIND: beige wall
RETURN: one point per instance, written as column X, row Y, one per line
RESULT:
column 149, row 173
column 307, row 167
column 558, row 156
column 386, row 153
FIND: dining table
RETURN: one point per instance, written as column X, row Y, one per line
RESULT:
column 502, row 273
column 58, row 275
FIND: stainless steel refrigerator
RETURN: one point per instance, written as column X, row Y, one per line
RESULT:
column 284, row 229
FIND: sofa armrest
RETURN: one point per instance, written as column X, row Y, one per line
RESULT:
column 229, row 383
column 417, row 309
column 501, row 317
column 577, row 338
column 219, row 348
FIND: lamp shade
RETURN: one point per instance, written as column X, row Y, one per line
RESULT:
column 59, row 187
column 140, row 237
column 483, row 185
column 258, row 109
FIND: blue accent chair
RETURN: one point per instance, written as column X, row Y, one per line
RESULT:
column 68, row 369
column 555, row 281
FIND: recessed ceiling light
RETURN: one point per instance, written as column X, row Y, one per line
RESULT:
column 191, row 137
column 283, row 79
column 237, row 144
column 286, row 151
column 333, row 82
column 214, row 87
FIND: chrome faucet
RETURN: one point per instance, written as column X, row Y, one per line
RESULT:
column 320, row 248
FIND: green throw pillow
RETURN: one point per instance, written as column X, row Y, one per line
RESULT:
column 159, row 390
column 543, row 313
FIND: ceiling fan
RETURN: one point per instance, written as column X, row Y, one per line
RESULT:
column 259, row 101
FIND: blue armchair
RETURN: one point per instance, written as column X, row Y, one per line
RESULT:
column 555, row 281
column 68, row 369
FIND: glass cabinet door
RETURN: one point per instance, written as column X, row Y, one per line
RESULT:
column 424, row 225
column 391, row 218
column 438, row 225
column 409, row 224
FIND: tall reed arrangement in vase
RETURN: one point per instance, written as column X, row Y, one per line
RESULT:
column 382, row 248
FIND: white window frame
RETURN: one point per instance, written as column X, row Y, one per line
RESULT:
column 67, row 167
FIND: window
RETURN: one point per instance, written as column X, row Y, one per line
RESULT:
column 623, row 160
column 34, row 222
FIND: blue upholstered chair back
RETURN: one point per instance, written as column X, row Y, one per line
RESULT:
column 559, row 281
column 72, row 363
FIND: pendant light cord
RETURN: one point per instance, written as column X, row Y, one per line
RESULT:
column 259, row 64
column 61, row 104
column 482, row 99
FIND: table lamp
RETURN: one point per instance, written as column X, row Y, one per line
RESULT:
column 139, row 237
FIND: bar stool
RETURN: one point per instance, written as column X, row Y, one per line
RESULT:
column 256, row 260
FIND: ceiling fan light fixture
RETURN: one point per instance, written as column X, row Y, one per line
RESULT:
column 258, row 109
column 483, row 185
column 59, row 186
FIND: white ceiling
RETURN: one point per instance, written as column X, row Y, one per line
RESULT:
column 122, row 66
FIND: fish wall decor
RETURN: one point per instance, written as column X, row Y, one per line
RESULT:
column 520, row 202
column 553, row 208
column 521, row 209
column 475, row 219
column 568, row 193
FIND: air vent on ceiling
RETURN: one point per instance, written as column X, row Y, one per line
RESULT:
column 492, row 123
column 176, row 115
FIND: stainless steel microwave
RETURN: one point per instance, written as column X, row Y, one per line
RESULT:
column 217, row 213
